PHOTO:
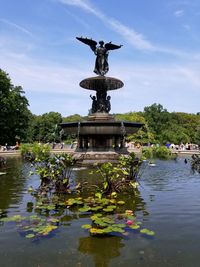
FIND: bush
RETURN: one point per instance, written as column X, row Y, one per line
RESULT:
column 161, row 152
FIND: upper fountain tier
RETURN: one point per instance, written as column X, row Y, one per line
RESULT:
column 101, row 83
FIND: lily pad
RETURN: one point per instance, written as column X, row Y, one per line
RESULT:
column 96, row 231
column 147, row 232
column 121, row 202
column 30, row 236
column 86, row 226
column 108, row 209
column 84, row 209
column 134, row 226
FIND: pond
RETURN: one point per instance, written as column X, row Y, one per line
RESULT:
column 167, row 202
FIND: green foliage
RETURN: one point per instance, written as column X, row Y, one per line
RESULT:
column 108, row 216
column 131, row 116
column 143, row 136
column 38, row 152
column 121, row 176
column 75, row 117
column 14, row 113
column 157, row 117
column 54, row 170
column 45, row 128
column 160, row 152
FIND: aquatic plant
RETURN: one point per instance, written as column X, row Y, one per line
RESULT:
column 195, row 162
column 119, row 177
column 35, row 151
column 108, row 216
column 161, row 152
column 54, row 170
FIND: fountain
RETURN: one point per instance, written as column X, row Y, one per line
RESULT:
column 101, row 137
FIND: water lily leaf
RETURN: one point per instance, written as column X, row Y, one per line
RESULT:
column 147, row 232
column 105, row 201
column 15, row 218
column 33, row 217
column 121, row 202
column 107, row 220
column 50, row 207
column 96, row 231
column 114, row 194
column 100, row 223
column 98, row 195
column 86, row 226
column 94, row 217
column 96, row 208
column 117, row 229
column 84, row 209
column 107, row 230
column 30, row 236
column 134, row 226
column 108, row 209
column 5, row 219
column 112, row 201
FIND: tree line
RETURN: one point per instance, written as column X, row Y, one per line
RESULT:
column 17, row 123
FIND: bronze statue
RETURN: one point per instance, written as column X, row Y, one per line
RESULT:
column 94, row 104
column 101, row 102
column 101, row 52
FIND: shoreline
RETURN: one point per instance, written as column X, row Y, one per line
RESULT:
column 71, row 151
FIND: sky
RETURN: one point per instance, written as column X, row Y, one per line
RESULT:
column 159, row 61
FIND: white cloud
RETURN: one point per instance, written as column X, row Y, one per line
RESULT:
column 132, row 36
column 16, row 26
column 187, row 27
column 176, row 87
column 136, row 39
column 179, row 13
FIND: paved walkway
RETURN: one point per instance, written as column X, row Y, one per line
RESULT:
column 71, row 151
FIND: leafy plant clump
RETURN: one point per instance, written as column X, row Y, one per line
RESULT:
column 54, row 170
column 121, row 176
column 195, row 162
column 160, row 152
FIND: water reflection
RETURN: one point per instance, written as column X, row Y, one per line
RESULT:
column 12, row 183
column 102, row 249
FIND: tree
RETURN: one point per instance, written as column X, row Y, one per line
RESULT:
column 14, row 112
column 45, row 128
column 75, row 117
column 131, row 116
column 157, row 119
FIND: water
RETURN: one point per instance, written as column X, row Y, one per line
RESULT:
column 168, row 202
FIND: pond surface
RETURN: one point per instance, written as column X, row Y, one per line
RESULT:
column 168, row 202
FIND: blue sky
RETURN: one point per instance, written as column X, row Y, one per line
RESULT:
column 158, row 63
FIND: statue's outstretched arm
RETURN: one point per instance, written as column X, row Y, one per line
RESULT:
column 89, row 42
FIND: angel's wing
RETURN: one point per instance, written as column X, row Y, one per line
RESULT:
column 110, row 46
column 89, row 42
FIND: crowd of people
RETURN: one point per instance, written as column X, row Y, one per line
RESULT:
column 6, row 147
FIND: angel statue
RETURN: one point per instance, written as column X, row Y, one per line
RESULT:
column 101, row 52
